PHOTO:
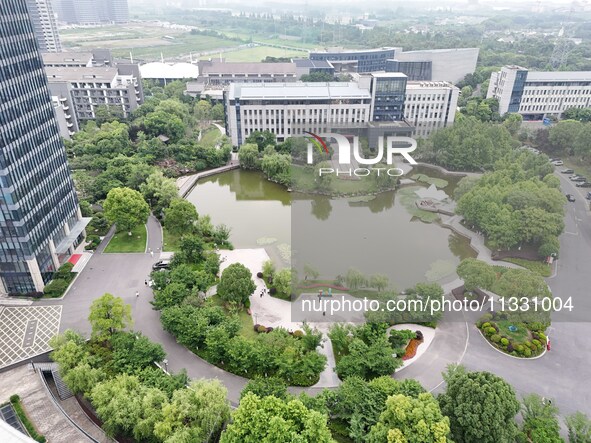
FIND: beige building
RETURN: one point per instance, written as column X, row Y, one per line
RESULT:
column 430, row 106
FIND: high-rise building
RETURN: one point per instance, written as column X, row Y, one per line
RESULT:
column 91, row 12
column 44, row 25
column 40, row 222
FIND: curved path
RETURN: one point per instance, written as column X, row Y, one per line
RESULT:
column 563, row 374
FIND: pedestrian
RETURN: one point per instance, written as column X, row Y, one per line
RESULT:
column 137, row 293
column 151, row 253
column 146, row 282
column 324, row 313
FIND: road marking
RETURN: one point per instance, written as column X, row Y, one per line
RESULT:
column 571, row 233
column 461, row 356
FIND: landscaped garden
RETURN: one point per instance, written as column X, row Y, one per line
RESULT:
column 123, row 242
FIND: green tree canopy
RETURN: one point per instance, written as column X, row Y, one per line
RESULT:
column 249, row 156
column 180, row 216
column 271, row 419
column 236, row 284
column 108, row 315
column 126, row 208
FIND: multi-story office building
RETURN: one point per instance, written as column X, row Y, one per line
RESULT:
column 213, row 72
column 430, row 106
column 80, row 90
column 449, row 65
column 388, row 90
column 367, row 60
column 40, row 222
column 537, row 95
column 98, row 57
column 92, row 12
column 440, row 65
column 44, row 25
column 288, row 109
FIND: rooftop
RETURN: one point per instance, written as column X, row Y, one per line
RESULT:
column 216, row 67
column 307, row 63
column 352, row 51
column 297, row 90
column 422, row 85
column 66, row 57
column 170, row 71
column 75, row 74
column 562, row 76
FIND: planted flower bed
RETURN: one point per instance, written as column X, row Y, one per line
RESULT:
column 514, row 338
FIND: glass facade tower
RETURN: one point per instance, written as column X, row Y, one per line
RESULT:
column 40, row 221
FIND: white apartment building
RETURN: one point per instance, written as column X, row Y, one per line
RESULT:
column 289, row 109
column 537, row 95
column 430, row 105
column 78, row 92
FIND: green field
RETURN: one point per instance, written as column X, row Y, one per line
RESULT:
column 171, row 241
column 257, row 54
column 210, row 136
column 122, row 242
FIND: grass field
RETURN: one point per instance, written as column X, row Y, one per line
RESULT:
column 210, row 136
column 171, row 241
column 520, row 335
column 246, row 323
column 122, row 242
column 257, row 53
column 303, row 179
column 535, row 266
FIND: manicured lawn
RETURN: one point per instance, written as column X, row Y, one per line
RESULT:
column 535, row 266
column 171, row 241
column 257, row 53
column 210, row 136
column 122, row 242
column 520, row 335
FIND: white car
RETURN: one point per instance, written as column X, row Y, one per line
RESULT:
column 558, row 163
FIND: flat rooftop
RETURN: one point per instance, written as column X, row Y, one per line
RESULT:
column 307, row 63
column 247, row 68
column 352, row 51
column 560, row 76
column 426, row 85
column 297, row 90
column 66, row 57
column 75, row 74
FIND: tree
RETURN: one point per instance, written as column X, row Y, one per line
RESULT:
column 476, row 274
column 173, row 107
column 579, row 428
column 471, row 396
column 282, row 282
column 160, row 123
column 412, row 420
column 158, row 191
column 108, row 315
column 272, row 419
column 540, row 422
column 262, row 139
column 203, row 110
column 180, row 216
column 277, row 167
column 249, row 156
column 355, row 279
column 513, row 122
column 310, row 272
column 368, row 360
column 236, row 284
column 322, row 180
column 582, row 144
column 379, row 281
column 191, row 247
column 217, row 112
column 126, row 208
column 563, row 135
column 317, row 76
column 268, row 269
column 197, row 413
column 108, row 114
column 265, row 386
column 132, row 351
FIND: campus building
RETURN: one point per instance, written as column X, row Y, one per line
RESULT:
column 216, row 73
column 40, row 222
column 450, row 65
column 92, row 12
column 44, row 25
column 81, row 82
column 430, row 106
column 538, row 95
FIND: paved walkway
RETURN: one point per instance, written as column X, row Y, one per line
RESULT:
column 186, row 182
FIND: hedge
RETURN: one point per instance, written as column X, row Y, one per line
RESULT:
column 15, row 401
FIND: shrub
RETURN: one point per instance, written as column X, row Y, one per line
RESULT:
column 259, row 274
column 93, row 241
column 256, row 327
column 14, row 398
column 537, row 344
column 527, row 352
column 504, row 341
column 261, row 328
column 56, row 288
column 419, row 335
column 64, row 272
column 411, row 349
column 269, row 329
column 485, row 325
column 495, row 338
column 273, row 291
column 542, row 337
column 519, row 348
column 487, row 317
column 490, row 330
column 298, row 333
column 510, row 348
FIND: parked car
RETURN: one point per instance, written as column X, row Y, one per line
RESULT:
column 570, row 197
column 567, row 171
column 580, row 178
column 161, row 265
column 583, row 185
column 558, row 163
column 588, row 196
